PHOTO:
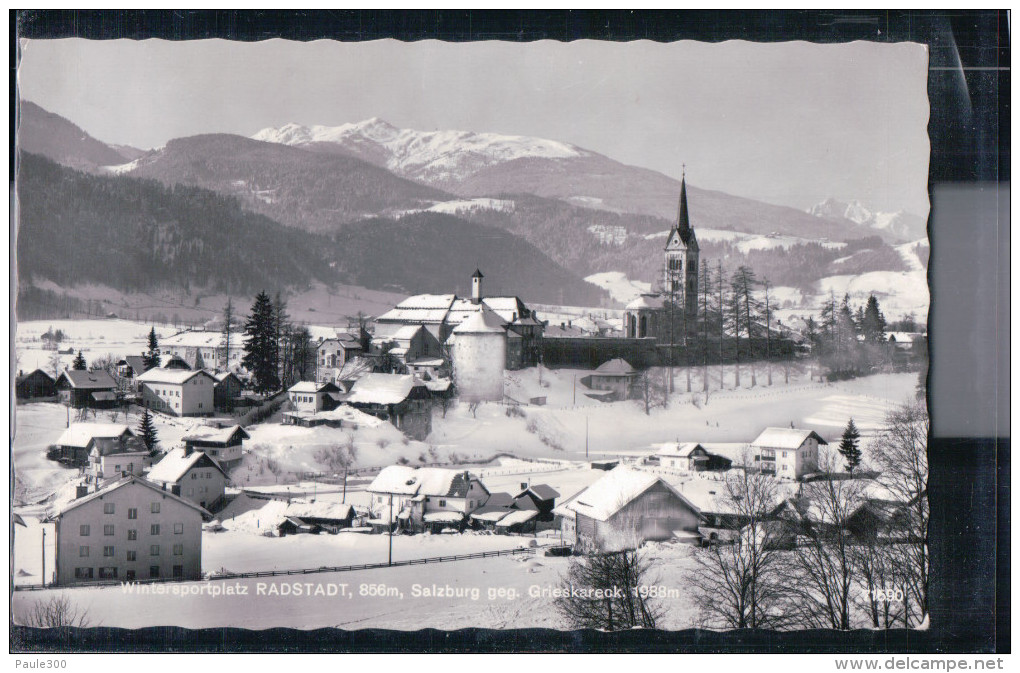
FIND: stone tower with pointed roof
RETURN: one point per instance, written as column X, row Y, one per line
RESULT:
column 680, row 279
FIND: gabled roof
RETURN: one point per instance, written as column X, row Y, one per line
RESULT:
column 397, row 479
column 646, row 301
column 616, row 490
column 223, row 376
column 680, row 450
column 126, row 481
column 194, row 339
column 500, row 499
column 615, row 367
column 88, row 380
column 423, row 481
column 34, row 372
column 785, row 438
column 319, row 510
column 80, row 434
column 136, row 362
column 543, row 491
column 172, row 376
column 516, row 516
column 177, row 462
column 482, row 321
column 313, row 387
column 109, row 446
column 382, row 389
column 211, row 434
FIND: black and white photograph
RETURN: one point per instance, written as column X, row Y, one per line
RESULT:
column 414, row 335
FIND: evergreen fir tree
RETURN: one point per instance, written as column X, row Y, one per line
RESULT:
column 79, row 362
column 261, row 347
column 873, row 323
column 849, row 446
column 150, row 358
column 147, row 430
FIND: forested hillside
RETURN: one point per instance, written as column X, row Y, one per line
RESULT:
column 434, row 253
column 137, row 234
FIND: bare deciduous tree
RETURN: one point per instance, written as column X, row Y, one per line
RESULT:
column 55, row 612
column 607, row 590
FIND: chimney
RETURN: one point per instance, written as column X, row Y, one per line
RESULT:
column 175, row 489
column 81, row 491
column 476, row 287
column 164, row 485
column 524, row 486
column 188, row 448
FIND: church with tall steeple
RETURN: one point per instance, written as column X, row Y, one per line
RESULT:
column 680, row 277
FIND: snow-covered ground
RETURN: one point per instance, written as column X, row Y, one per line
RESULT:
column 748, row 242
column 619, row 286
column 95, row 338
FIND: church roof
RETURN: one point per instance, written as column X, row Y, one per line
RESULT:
column 683, row 222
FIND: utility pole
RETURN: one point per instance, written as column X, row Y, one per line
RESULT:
column 586, row 436
column 575, row 390
column 44, row 557
column 390, row 561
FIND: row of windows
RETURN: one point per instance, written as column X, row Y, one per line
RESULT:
column 207, row 474
column 85, row 530
column 110, row 508
column 84, row 551
column 110, row 573
column 304, row 398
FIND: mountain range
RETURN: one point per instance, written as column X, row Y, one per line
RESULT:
column 405, row 209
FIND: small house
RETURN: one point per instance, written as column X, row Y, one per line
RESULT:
column 222, row 444
column 316, row 517
column 193, row 475
column 312, row 397
column 131, row 366
column 401, row 399
column 116, row 457
column 615, row 376
column 688, row 457
column 76, row 442
column 179, row 392
column 426, row 498
column 628, row 507
column 226, row 390
column 37, row 384
column 87, row 389
column 538, row 498
column 334, row 352
column 787, row 452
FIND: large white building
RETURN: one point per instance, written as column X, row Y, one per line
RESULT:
column 130, row 529
column 478, row 348
column 203, row 349
column 787, row 452
column 180, row 392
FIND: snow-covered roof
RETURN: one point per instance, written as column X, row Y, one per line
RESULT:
column 490, row 514
column 377, row 388
column 615, row 490
column 176, row 463
column 443, row 517
column 680, row 450
column 517, row 516
column 84, row 379
column 438, row 385
column 120, row 483
column 109, row 446
column 785, row 438
column 543, row 491
column 649, row 301
column 194, row 339
column 396, row 479
column 172, row 376
column 80, row 434
column 904, row 337
column 406, row 333
column 344, row 414
column 615, row 367
column 318, row 510
column 481, row 321
column 211, row 434
column 312, row 387
column 709, row 495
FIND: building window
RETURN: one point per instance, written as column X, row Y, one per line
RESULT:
column 178, row 529
column 116, row 468
column 83, row 530
column 155, row 508
column 132, row 534
column 132, row 513
column 108, row 551
column 129, row 575
column 108, row 508
column 178, row 549
column 108, row 529
column 154, row 550
column 194, row 475
column 178, row 571
column 132, row 555
column 83, row 573
column 153, row 571
column 154, row 529
column 442, row 503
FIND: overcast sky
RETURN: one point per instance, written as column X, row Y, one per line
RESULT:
column 787, row 123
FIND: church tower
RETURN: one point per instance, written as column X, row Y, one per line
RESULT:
column 680, row 282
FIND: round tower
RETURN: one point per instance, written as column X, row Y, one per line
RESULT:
column 478, row 349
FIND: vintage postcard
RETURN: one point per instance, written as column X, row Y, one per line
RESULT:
column 405, row 335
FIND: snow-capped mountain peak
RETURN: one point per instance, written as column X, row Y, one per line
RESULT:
column 431, row 156
column 900, row 224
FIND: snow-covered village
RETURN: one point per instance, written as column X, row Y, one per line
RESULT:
column 364, row 376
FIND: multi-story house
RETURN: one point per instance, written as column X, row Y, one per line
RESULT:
column 130, row 529
column 789, row 453
column 191, row 474
column 179, row 392
column 76, row 442
column 312, row 397
column 116, row 457
column 426, row 498
column 221, row 444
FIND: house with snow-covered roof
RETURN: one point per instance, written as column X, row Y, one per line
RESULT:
column 204, row 348
column 626, row 508
column 616, row 376
column 788, row 453
column 401, row 399
column 77, row 441
column 116, row 457
column 221, row 443
column 191, row 474
column 336, row 351
column 86, row 389
column 179, row 392
column 426, row 498
column 687, row 456
column 313, row 396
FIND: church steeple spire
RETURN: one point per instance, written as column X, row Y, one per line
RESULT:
column 683, row 223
